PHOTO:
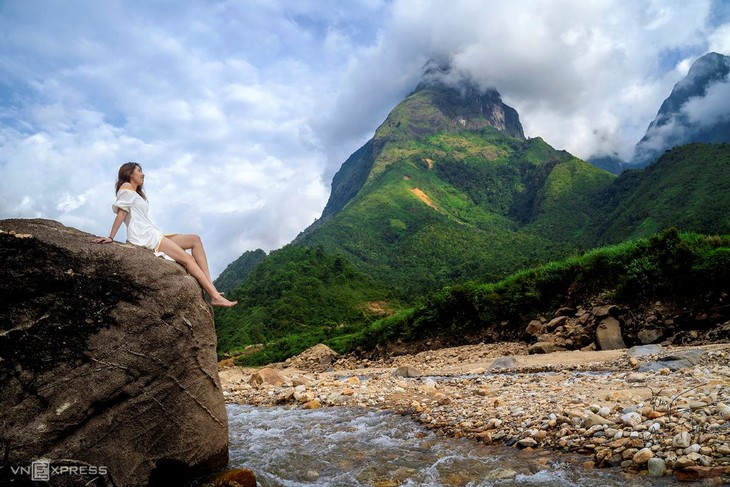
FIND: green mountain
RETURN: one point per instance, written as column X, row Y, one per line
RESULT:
column 693, row 112
column 449, row 190
column 688, row 187
column 302, row 294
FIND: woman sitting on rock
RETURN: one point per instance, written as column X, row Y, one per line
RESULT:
column 131, row 208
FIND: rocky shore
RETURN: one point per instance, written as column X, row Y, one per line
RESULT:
column 652, row 410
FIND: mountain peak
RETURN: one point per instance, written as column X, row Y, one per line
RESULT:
column 445, row 101
column 457, row 96
column 694, row 111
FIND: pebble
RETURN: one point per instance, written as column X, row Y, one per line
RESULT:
column 642, row 456
column 657, row 467
column 682, row 440
column 631, row 419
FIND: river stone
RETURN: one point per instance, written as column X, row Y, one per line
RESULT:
column 603, row 311
column 649, row 335
column 608, row 334
column 692, row 356
column 501, row 473
column 631, row 419
column 673, row 365
column 724, row 411
column 535, row 328
column 642, row 350
column 642, row 456
column 593, row 419
column 527, row 443
column 268, row 375
column 556, row 322
column 113, row 358
column 657, row 467
column 682, row 440
column 318, row 358
column 503, row 363
column 407, row 371
column 242, row 477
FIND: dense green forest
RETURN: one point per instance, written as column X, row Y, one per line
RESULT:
column 681, row 266
column 300, row 291
column 238, row 270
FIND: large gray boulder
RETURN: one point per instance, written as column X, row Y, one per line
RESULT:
column 107, row 362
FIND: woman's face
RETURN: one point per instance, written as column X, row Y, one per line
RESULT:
column 137, row 176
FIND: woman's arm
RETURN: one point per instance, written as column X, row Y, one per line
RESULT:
column 121, row 215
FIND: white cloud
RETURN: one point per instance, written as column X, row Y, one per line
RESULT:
column 240, row 112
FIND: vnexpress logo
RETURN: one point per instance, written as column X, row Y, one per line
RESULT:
column 40, row 470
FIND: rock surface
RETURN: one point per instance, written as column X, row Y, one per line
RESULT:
column 107, row 358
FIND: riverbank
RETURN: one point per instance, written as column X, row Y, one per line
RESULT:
column 655, row 411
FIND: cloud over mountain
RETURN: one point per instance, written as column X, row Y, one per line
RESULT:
column 240, row 113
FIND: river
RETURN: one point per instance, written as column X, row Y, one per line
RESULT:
column 357, row 447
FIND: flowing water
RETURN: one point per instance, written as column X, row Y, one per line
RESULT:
column 354, row 447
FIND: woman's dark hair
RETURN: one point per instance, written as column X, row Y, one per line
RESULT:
column 125, row 175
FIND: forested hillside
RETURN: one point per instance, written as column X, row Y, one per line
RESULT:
column 450, row 193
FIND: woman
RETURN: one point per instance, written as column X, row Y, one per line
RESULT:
column 131, row 208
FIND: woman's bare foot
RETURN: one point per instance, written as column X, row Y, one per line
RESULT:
column 221, row 301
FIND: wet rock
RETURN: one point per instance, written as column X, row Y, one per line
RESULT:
column 694, row 473
column 311, row 476
column 608, row 334
column 241, row 477
column 501, row 473
column 113, row 357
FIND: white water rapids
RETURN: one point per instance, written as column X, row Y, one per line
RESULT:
column 352, row 447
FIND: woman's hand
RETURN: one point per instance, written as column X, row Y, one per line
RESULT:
column 103, row 240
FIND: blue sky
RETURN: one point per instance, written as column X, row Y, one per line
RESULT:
column 240, row 112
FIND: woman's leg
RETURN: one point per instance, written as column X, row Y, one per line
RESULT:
column 188, row 261
column 194, row 243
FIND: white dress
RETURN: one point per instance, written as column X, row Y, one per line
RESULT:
column 140, row 230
